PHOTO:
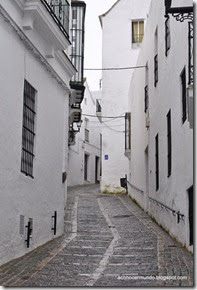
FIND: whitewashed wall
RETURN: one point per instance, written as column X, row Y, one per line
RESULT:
column 91, row 148
column 117, row 52
column 36, row 198
column 167, row 95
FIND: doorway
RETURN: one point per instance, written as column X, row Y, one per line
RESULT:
column 96, row 169
column 86, row 157
column 190, row 210
column 146, row 178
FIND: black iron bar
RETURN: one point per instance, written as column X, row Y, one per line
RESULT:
column 55, row 222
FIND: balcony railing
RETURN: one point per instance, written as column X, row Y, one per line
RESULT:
column 59, row 10
column 87, row 135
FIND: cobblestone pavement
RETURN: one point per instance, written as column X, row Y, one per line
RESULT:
column 108, row 241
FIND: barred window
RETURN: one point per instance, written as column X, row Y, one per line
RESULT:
column 169, row 143
column 183, row 93
column 156, row 74
column 28, row 131
column 156, row 70
column 146, row 99
column 127, row 131
column 167, row 36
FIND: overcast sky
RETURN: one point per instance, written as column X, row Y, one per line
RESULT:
column 93, row 39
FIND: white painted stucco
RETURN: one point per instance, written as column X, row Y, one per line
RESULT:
column 167, row 95
column 23, row 56
column 117, row 51
column 82, row 147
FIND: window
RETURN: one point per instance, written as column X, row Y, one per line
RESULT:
column 98, row 106
column 169, row 143
column 157, row 161
column 87, row 135
column 145, row 99
column 77, row 32
column 156, row 59
column 28, row 131
column 137, row 31
column 127, row 131
column 183, row 93
column 156, row 70
column 87, row 130
column 167, row 36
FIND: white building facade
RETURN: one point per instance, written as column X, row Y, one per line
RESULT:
column 85, row 155
column 34, row 81
column 123, row 28
column 161, row 151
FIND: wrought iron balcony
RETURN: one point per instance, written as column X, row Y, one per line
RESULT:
column 59, row 10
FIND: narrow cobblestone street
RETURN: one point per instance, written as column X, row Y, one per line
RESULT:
column 108, row 241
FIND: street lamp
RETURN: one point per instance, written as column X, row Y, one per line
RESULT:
column 180, row 13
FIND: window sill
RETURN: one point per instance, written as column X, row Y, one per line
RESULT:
column 136, row 45
column 127, row 153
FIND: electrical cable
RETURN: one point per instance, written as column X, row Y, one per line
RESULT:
column 114, row 68
column 114, row 117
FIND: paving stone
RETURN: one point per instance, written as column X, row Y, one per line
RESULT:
column 115, row 243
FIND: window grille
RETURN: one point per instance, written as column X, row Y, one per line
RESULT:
column 167, row 36
column 28, row 131
column 77, row 32
column 145, row 99
column 183, row 92
column 156, row 70
column 127, row 131
column 169, row 143
column 157, row 161
column 191, row 53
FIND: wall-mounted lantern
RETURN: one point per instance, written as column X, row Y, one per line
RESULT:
column 182, row 14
